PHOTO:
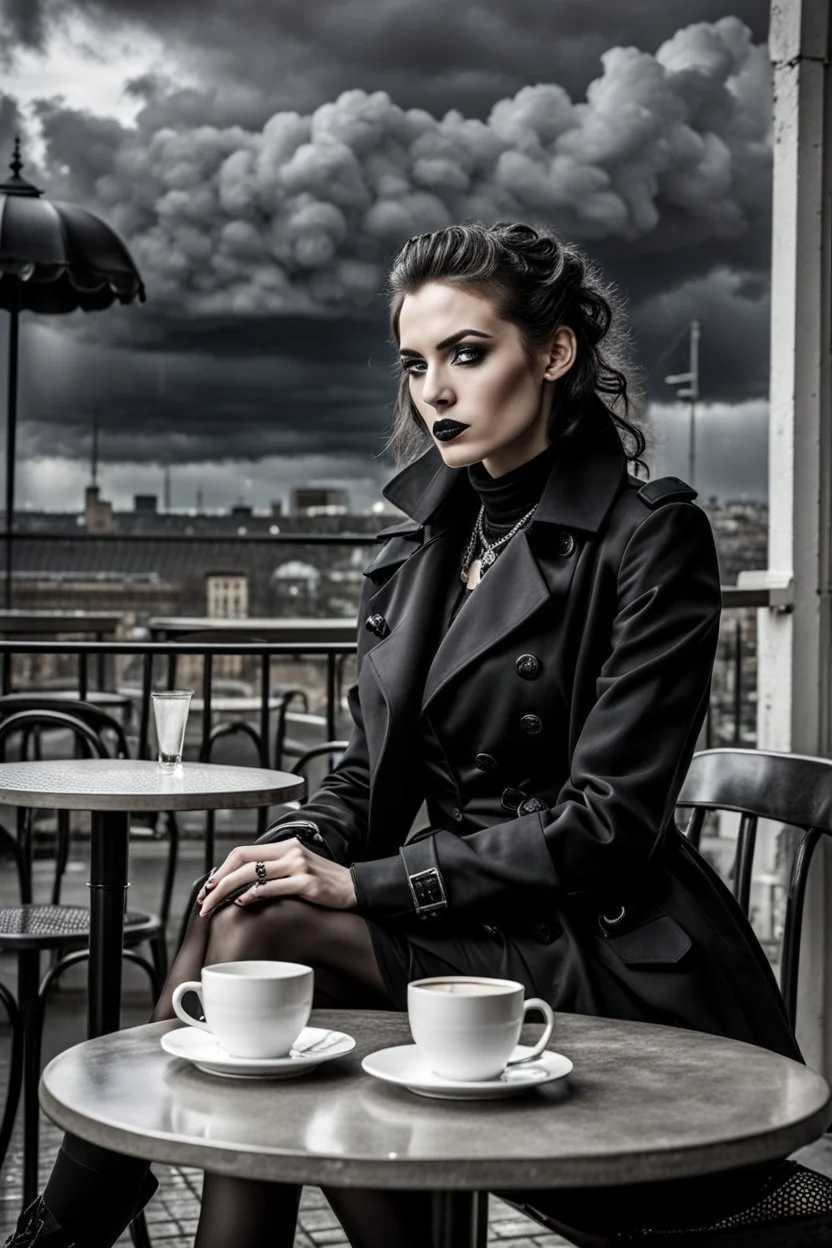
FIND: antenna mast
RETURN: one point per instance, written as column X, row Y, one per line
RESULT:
column 690, row 382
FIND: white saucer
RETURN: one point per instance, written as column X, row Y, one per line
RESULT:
column 405, row 1066
column 312, row 1047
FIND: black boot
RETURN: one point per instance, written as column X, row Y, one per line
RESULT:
column 37, row 1226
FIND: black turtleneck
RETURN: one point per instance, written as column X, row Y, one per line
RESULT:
column 507, row 498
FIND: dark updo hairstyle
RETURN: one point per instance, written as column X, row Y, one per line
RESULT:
column 538, row 283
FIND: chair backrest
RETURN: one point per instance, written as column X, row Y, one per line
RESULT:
column 28, row 721
column 792, row 789
column 334, row 750
column 101, row 722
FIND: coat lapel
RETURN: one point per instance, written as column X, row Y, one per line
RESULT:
column 405, row 670
column 508, row 594
column 393, row 673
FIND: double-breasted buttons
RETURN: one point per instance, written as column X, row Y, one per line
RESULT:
column 547, row 932
column 486, row 762
column 531, row 805
column 527, row 666
column 532, row 724
column 377, row 624
column 510, row 798
column 564, row 543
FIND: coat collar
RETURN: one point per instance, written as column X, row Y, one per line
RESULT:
column 585, row 478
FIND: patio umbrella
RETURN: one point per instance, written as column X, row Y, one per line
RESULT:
column 54, row 257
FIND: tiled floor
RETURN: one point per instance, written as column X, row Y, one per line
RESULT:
column 173, row 1212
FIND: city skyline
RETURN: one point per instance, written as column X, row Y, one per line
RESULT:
column 263, row 180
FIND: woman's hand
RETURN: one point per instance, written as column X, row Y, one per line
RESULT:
column 291, row 870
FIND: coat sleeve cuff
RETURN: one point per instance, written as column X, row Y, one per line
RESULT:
column 409, row 884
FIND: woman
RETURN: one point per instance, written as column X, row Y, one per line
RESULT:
column 535, row 650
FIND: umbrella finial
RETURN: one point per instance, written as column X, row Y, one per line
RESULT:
column 17, row 185
column 16, row 163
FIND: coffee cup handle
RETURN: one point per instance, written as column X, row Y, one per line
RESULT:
column 535, row 1003
column 190, row 985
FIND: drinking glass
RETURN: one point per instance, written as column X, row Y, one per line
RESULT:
column 170, row 714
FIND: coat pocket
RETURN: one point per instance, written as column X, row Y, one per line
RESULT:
column 659, row 941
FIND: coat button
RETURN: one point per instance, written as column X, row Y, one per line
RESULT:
column 376, row 624
column 532, row 724
column 530, row 806
column 510, row 799
column 565, row 543
column 485, row 762
column 456, row 814
column 527, row 666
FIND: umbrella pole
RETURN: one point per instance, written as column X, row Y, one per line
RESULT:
column 11, row 439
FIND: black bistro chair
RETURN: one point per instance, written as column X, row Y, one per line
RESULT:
column 791, row 789
column 29, row 930
column 113, row 741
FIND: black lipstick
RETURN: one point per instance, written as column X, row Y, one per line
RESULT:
column 446, row 430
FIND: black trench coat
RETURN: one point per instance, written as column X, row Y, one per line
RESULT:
column 564, row 702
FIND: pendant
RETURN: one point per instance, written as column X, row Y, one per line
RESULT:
column 488, row 558
column 471, row 575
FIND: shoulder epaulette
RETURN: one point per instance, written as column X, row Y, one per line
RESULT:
column 666, row 490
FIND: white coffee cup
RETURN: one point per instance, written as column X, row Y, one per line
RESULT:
column 254, row 1009
column 467, row 1025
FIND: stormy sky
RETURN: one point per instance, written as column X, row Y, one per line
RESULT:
column 263, row 160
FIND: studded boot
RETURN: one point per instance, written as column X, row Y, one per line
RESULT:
column 37, row 1226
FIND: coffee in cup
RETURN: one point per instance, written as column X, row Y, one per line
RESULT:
column 467, row 1026
column 254, row 1009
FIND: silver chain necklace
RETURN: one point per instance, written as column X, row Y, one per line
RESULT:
column 472, row 569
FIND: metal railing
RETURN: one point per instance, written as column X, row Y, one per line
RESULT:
column 730, row 720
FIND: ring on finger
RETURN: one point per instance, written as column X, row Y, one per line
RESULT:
column 260, row 871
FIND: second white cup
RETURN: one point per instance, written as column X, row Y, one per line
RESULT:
column 467, row 1026
column 254, row 1009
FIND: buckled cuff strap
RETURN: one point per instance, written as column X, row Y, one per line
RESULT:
column 427, row 888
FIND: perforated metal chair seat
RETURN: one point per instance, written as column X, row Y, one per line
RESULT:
column 64, row 927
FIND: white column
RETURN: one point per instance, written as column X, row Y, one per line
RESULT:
column 795, row 655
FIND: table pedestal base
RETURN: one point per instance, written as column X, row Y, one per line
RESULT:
column 108, row 895
column 460, row 1219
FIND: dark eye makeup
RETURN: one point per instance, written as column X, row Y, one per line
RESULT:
column 464, row 354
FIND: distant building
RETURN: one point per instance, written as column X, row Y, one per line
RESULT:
column 319, row 501
column 98, row 515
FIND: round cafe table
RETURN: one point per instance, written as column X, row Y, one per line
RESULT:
column 111, row 789
column 643, row 1103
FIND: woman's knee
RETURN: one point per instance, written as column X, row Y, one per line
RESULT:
column 275, row 929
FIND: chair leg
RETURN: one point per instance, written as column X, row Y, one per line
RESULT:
column 170, row 867
column 210, row 838
column 15, row 1072
column 31, row 1014
column 24, row 859
column 159, row 958
column 156, row 983
column 61, row 855
column 139, row 1233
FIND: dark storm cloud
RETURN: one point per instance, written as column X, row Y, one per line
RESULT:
column 263, row 209
column 431, row 55
column 196, row 408
column 669, row 153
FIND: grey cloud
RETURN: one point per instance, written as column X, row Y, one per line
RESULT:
column 198, row 408
column 430, row 55
column 668, row 152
